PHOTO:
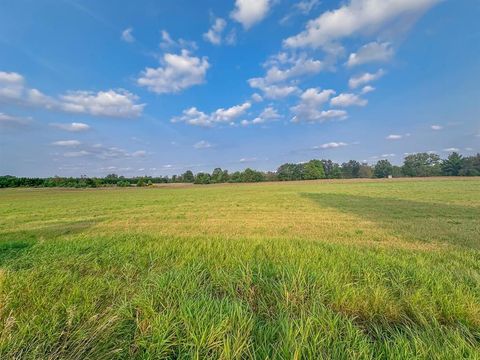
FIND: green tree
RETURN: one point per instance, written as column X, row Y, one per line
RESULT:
column 383, row 169
column 313, row 170
column 202, row 178
column 422, row 164
column 471, row 166
column 188, row 177
column 350, row 169
column 332, row 169
column 452, row 165
column 365, row 171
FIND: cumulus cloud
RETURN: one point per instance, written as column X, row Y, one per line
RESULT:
column 214, row 34
column 347, row 99
column 365, row 78
column 452, row 149
column 168, row 43
column 372, row 52
column 13, row 121
column 98, row 151
column 268, row 114
column 250, row 12
column 195, row 117
column 310, row 107
column 358, row 17
column 257, row 97
column 120, row 103
column 178, row 72
column 394, row 137
column 273, row 91
column 110, row 103
column 436, row 127
column 367, row 89
column 127, row 35
column 72, row 127
column 331, row 145
column 67, row 143
column 203, row 144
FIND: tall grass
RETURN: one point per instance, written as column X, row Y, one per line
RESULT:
column 370, row 270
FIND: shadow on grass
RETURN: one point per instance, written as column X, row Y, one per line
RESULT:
column 411, row 220
column 14, row 243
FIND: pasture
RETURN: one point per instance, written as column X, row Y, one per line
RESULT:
column 302, row 270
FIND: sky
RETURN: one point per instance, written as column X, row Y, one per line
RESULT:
column 150, row 87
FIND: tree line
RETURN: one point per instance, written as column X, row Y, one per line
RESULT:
column 414, row 165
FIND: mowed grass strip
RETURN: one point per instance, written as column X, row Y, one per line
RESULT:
column 333, row 270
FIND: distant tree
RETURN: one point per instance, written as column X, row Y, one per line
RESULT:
column 365, row 171
column 350, row 169
column 471, row 166
column 141, row 182
column 397, row 171
column 332, row 169
column 149, row 183
column 422, row 164
column 383, row 169
column 188, row 177
column 219, row 176
column 288, row 172
column 452, row 165
column 202, row 178
column 313, row 170
column 250, row 175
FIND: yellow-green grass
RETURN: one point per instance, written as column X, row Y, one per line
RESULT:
column 305, row 270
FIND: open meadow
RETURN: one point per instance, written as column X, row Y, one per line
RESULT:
column 370, row 269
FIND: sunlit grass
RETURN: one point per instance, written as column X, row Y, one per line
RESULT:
column 333, row 270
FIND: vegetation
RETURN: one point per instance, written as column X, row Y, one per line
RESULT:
column 416, row 165
column 305, row 270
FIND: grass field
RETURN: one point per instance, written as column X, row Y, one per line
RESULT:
column 333, row 270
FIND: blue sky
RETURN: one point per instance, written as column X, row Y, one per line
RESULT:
column 91, row 87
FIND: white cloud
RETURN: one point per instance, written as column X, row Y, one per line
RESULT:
column 436, row 127
column 246, row 160
column 452, row 149
column 331, row 145
column 67, row 143
column 214, row 34
column 9, row 120
column 120, row 103
column 345, row 100
column 202, row 145
column 367, row 89
column 394, row 137
column 11, row 85
column 178, row 73
column 303, row 7
column 365, row 78
column 168, row 43
column 372, row 52
column 80, row 153
column 73, row 127
column 111, row 103
column 257, row 97
column 195, row 117
column 127, row 35
column 310, row 107
column 358, row 17
column 297, row 66
column 387, row 155
column 250, row 12
column 268, row 114
column 139, row 153
column 273, row 91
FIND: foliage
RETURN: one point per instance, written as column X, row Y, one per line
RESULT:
column 383, row 169
column 422, row 164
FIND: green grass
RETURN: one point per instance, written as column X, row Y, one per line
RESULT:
column 332, row 270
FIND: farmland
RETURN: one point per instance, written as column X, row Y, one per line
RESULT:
column 369, row 269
